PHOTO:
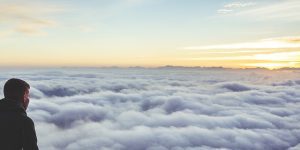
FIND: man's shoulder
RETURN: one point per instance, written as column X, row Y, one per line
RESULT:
column 28, row 120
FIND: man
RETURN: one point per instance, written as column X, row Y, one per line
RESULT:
column 17, row 131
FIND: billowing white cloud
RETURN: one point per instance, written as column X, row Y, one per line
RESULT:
column 163, row 109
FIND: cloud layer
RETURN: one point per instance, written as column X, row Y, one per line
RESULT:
column 162, row 109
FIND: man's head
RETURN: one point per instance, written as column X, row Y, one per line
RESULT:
column 17, row 89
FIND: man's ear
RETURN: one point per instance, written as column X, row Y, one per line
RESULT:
column 25, row 101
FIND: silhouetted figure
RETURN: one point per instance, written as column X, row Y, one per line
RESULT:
column 17, row 130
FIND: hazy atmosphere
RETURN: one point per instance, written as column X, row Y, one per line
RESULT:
column 163, row 109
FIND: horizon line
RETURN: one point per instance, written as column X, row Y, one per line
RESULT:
column 144, row 67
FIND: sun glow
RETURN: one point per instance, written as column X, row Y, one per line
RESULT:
column 277, row 60
column 283, row 56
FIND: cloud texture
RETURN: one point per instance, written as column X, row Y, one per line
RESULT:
column 30, row 18
column 162, row 109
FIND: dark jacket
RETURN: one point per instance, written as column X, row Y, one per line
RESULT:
column 16, row 129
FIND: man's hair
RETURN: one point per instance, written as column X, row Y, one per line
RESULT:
column 15, row 88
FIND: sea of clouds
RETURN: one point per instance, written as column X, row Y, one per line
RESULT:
column 163, row 108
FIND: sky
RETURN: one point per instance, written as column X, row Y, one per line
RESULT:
column 150, row 33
